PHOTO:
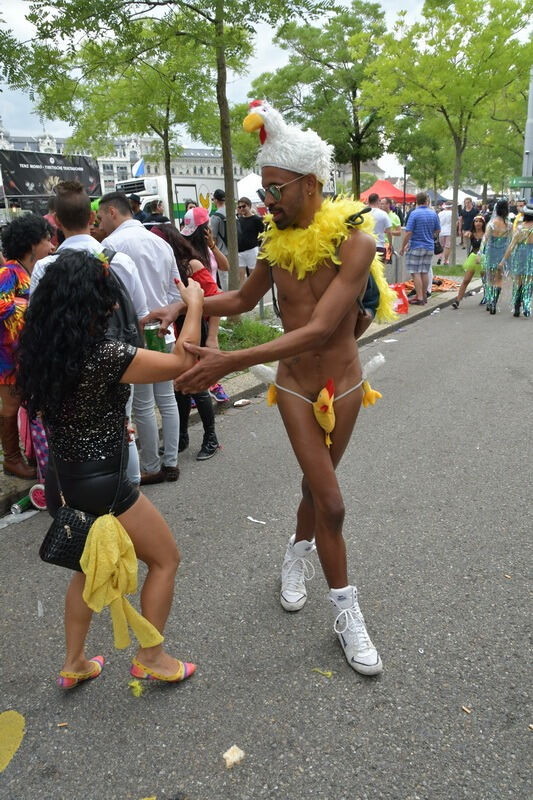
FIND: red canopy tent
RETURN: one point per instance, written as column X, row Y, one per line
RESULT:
column 387, row 189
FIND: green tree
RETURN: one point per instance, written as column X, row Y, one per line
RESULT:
column 228, row 27
column 495, row 151
column 149, row 95
column 420, row 145
column 458, row 62
column 322, row 84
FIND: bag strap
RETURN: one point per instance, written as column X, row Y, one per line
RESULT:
column 122, row 448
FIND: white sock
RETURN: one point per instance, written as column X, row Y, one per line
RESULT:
column 302, row 548
column 342, row 598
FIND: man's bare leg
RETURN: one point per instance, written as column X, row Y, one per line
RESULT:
column 321, row 512
column 417, row 280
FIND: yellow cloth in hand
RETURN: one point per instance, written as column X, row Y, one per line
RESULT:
column 323, row 409
column 110, row 566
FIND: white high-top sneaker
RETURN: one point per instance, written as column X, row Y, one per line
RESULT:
column 295, row 571
column 351, row 629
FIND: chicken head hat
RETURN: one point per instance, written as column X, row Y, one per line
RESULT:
column 286, row 146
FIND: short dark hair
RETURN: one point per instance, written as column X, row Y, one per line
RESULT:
column 22, row 234
column 119, row 201
column 219, row 194
column 421, row 199
column 373, row 198
column 246, row 200
column 73, row 205
column 387, row 200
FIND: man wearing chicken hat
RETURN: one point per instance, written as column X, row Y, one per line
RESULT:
column 319, row 255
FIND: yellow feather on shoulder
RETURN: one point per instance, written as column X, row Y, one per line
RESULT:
column 303, row 250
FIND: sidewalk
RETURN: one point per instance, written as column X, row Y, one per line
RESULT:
column 244, row 385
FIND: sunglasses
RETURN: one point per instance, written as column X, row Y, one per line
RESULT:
column 275, row 191
column 243, row 206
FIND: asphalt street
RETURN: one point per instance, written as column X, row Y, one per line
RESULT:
column 437, row 484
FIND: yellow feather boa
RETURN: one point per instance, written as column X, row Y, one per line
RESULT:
column 303, row 250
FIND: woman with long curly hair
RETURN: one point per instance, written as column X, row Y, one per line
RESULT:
column 24, row 242
column 79, row 381
column 190, row 266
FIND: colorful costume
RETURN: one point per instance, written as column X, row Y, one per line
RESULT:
column 522, row 268
column 302, row 251
column 492, row 251
column 14, row 294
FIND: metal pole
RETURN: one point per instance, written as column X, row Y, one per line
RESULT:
column 527, row 168
column 404, row 186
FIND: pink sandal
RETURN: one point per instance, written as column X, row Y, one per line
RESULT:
column 68, row 680
column 185, row 671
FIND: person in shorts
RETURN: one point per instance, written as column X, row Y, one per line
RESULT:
column 249, row 226
column 419, row 241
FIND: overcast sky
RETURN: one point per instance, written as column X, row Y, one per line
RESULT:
column 16, row 108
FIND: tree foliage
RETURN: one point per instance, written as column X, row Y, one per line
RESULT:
column 322, row 84
column 228, row 27
column 459, row 61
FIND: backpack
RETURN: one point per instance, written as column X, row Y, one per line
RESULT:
column 123, row 324
column 221, row 227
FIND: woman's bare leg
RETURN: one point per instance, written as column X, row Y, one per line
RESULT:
column 155, row 545
column 469, row 274
column 78, row 617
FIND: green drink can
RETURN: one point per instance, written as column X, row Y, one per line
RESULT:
column 153, row 341
column 24, row 504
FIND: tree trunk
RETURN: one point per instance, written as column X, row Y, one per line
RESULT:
column 168, row 176
column 456, row 179
column 225, row 139
column 484, row 193
column 356, row 176
column 435, row 190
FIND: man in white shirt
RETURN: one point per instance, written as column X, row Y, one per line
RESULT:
column 382, row 224
column 445, row 236
column 157, row 270
column 73, row 215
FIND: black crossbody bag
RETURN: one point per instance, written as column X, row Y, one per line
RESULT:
column 65, row 539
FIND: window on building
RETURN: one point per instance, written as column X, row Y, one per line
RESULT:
column 201, row 170
column 107, row 168
column 194, row 170
column 209, row 170
column 172, row 170
column 214, row 170
column 148, row 169
column 122, row 172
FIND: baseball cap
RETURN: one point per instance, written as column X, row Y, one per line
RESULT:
column 135, row 198
column 193, row 219
column 219, row 194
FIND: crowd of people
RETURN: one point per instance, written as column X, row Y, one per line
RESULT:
column 73, row 354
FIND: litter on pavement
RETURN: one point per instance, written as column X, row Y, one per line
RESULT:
column 258, row 521
column 233, row 756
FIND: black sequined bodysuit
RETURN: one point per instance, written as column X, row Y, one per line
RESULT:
column 90, row 424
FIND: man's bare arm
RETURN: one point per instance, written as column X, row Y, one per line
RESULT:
column 225, row 304
column 356, row 256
